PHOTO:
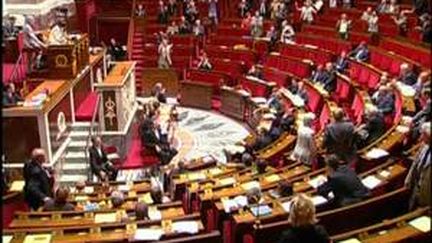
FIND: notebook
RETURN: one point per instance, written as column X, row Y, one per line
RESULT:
column 261, row 210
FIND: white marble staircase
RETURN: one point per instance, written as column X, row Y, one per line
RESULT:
column 75, row 166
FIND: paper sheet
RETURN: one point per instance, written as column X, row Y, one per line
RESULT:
column 286, row 206
column 190, row 227
column 146, row 198
column 105, row 218
column 384, row 173
column 317, row 181
column 272, row 178
column 402, row 129
column 38, row 238
column 371, row 181
column 376, row 153
column 422, row 223
column 241, row 201
column 154, row 214
column 227, row 181
column 7, row 238
column 352, row 240
column 196, row 176
column 229, row 205
column 249, row 185
column 123, row 188
column 318, row 200
column 148, row 234
column 88, row 189
column 81, row 198
column 17, row 186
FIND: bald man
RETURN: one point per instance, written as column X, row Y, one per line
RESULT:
column 38, row 186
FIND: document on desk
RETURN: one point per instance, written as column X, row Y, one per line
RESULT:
column 317, row 181
column 7, row 238
column 146, row 198
column 261, row 210
column 81, row 198
column 148, row 234
column 105, row 218
column 422, row 223
column 229, row 205
column 196, row 176
column 286, row 206
column 88, row 189
column 318, row 200
column 371, row 182
column 227, row 181
column 215, row 171
column 352, row 240
column 376, row 153
column 241, row 201
column 249, row 185
column 154, row 214
column 190, row 227
column 272, row 178
column 17, row 186
column 38, row 238
column 123, row 188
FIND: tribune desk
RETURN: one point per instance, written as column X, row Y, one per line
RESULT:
column 117, row 107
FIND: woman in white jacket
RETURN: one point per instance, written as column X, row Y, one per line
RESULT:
column 305, row 149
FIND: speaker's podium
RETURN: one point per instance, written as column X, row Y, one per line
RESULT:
column 66, row 61
column 117, row 107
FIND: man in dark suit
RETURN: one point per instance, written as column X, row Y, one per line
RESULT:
column 318, row 75
column 329, row 80
column 153, row 140
column 384, row 101
column 373, row 128
column 262, row 140
column 407, row 75
column 59, row 203
column 99, row 163
column 339, row 138
column 39, row 182
column 361, row 53
column 347, row 188
column 342, row 62
column 158, row 92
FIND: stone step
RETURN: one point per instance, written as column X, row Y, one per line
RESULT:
column 79, row 134
column 78, row 143
column 75, row 168
column 75, row 155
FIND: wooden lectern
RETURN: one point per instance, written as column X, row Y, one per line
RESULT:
column 196, row 94
column 168, row 78
column 117, row 106
column 233, row 102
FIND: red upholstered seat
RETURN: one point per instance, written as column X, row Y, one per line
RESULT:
column 324, row 118
column 373, row 81
column 256, row 89
column 354, row 70
column 363, row 76
column 211, row 219
column 272, row 75
column 343, row 90
column 398, row 108
column 357, row 108
column 315, row 99
column 248, row 238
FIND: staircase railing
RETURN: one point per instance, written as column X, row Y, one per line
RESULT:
column 18, row 71
column 92, row 132
column 131, row 30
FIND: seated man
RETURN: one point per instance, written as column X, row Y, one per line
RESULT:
column 151, row 140
column 33, row 43
column 158, row 92
column 204, row 63
column 99, row 163
column 318, row 74
column 374, row 127
column 384, row 100
column 141, row 211
column 59, row 203
column 329, row 80
column 10, row 96
column 361, row 53
column 116, row 50
column 117, row 199
column 407, row 75
column 157, row 195
column 342, row 62
column 262, row 140
column 343, row 182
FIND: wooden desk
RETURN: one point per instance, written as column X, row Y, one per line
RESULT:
column 233, row 102
column 167, row 77
column 196, row 94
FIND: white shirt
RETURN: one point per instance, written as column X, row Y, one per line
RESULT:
column 343, row 26
column 57, row 36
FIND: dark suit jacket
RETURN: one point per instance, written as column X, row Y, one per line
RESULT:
column 11, row 100
column 262, row 142
column 38, row 184
column 149, row 138
column 339, row 138
column 409, row 79
column 345, row 185
column 311, row 233
column 341, row 64
column 52, row 205
column 317, row 76
column 303, row 94
column 375, row 126
column 329, row 81
column 385, row 104
column 361, row 54
column 96, row 160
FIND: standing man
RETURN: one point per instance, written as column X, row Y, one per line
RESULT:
column 418, row 178
column 38, row 187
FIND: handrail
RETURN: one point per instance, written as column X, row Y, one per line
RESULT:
column 17, row 67
column 131, row 30
column 90, row 134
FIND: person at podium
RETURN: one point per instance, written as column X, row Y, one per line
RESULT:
column 32, row 43
column 58, row 34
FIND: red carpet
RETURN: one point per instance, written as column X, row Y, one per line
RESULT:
column 134, row 159
column 85, row 110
